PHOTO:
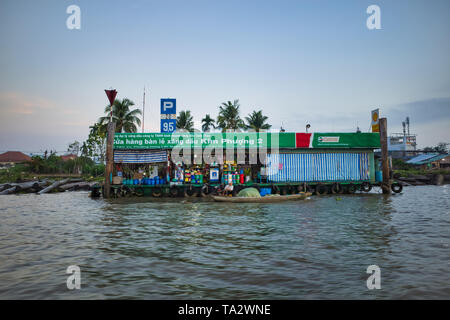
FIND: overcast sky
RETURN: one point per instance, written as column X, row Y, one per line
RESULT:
column 299, row 61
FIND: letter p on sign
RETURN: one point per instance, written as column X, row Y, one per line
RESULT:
column 167, row 105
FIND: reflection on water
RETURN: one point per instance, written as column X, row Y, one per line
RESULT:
column 197, row 249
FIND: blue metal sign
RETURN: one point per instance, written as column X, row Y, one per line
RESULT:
column 168, row 106
column 168, row 125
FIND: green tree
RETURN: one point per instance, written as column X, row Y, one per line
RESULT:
column 207, row 122
column 257, row 121
column 37, row 164
column 95, row 144
column 441, row 147
column 185, row 121
column 126, row 120
column 229, row 116
column 74, row 148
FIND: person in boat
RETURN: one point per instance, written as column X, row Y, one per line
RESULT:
column 228, row 189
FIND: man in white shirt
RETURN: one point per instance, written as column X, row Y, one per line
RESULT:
column 228, row 188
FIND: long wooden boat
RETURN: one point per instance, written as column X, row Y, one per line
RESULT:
column 265, row 199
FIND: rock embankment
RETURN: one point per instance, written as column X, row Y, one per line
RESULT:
column 46, row 186
column 420, row 180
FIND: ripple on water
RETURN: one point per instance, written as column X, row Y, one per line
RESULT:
column 197, row 249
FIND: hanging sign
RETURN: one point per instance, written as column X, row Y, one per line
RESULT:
column 375, row 120
column 168, row 115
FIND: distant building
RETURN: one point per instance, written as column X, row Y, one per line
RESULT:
column 402, row 145
column 11, row 158
column 67, row 157
column 431, row 161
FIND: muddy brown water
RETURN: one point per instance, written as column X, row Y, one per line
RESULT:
column 197, row 249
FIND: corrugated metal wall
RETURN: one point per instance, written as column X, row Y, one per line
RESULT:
column 133, row 156
column 308, row 167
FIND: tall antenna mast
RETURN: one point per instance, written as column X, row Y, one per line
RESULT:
column 143, row 111
column 407, row 122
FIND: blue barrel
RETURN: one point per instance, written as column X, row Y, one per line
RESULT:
column 379, row 176
column 265, row 191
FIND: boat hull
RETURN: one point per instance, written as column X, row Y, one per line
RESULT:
column 266, row 199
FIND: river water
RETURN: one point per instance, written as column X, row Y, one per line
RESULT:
column 196, row 249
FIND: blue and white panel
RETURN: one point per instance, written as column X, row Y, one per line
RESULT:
column 137, row 156
column 168, row 125
column 305, row 167
column 168, row 106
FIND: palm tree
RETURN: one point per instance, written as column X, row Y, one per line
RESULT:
column 256, row 121
column 98, row 129
column 207, row 122
column 229, row 116
column 126, row 120
column 184, row 121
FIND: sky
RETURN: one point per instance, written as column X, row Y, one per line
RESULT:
column 303, row 61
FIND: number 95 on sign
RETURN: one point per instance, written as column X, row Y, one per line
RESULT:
column 168, row 125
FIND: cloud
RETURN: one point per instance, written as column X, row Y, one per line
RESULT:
column 17, row 103
column 32, row 123
column 421, row 112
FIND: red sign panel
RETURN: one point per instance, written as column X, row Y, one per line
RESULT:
column 111, row 94
column 302, row 140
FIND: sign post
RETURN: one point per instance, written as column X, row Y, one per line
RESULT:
column 111, row 94
column 376, row 120
column 168, row 115
column 386, row 185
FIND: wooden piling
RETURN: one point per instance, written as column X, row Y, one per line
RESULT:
column 109, row 158
column 386, row 186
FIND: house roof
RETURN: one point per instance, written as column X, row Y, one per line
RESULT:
column 427, row 158
column 68, row 157
column 14, row 156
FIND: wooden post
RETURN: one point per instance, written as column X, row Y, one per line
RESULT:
column 386, row 186
column 109, row 158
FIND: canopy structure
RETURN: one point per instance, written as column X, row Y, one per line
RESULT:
column 426, row 158
column 318, row 166
column 282, row 140
column 140, row 156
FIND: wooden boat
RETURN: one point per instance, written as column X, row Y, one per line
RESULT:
column 265, row 199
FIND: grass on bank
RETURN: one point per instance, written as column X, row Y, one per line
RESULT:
column 55, row 168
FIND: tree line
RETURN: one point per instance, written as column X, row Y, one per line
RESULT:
column 128, row 119
column 228, row 119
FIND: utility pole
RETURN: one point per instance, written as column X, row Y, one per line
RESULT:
column 386, row 185
column 111, row 94
column 143, row 111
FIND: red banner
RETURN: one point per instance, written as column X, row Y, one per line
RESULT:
column 111, row 94
column 302, row 140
